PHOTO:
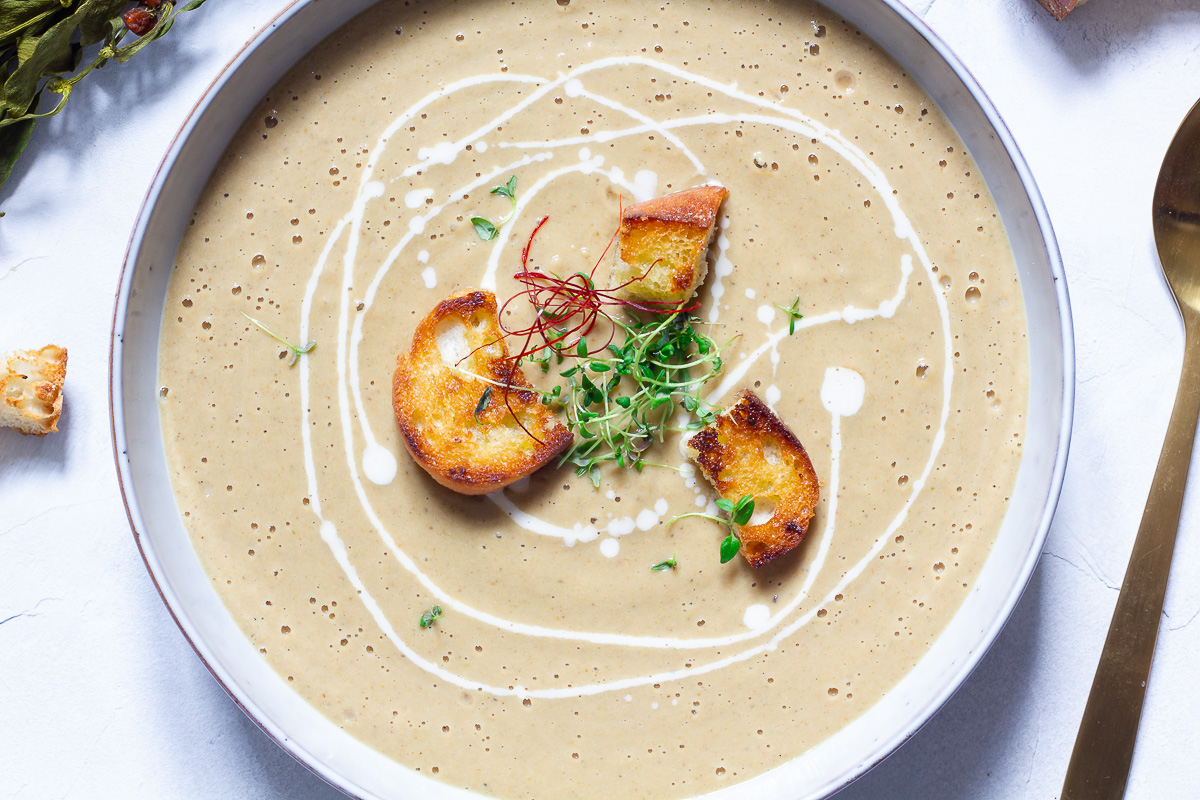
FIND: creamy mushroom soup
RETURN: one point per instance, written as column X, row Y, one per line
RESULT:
column 562, row 663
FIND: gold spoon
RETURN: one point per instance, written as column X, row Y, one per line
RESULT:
column 1099, row 767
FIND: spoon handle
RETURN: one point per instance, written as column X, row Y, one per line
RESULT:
column 1099, row 767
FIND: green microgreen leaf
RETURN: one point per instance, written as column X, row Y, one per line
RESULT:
column 793, row 314
column 729, row 548
column 297, row 350
column 484, row 228
column 670, row 563
column 743, row 510
column 739, row 514
column 431, row 616
column 482, row 405
column 508, row 190
column 657, row 368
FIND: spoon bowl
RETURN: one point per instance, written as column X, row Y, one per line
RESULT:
column 1176, row 215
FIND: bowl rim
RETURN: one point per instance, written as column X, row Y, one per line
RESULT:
column 884, row 749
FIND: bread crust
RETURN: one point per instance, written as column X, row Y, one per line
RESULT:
column 695, row 207
column 662, row 255
column 1060, row 8
column 735, row 452
column 31, row 384
column 435, row 402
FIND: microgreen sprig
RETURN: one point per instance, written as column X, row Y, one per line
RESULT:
column 621, row 398
column 481, row 406
column 793, row 314
column 485, row 228
column 661, row 566
column 297, row 351
column 431, row 616
column 739, row 514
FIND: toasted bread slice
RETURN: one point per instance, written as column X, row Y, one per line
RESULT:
column 663, row 254
column 747, row 450
column 467, row 444
column 31, row 383
column 1060, row 8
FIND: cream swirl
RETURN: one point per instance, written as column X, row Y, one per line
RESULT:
column 379, row 464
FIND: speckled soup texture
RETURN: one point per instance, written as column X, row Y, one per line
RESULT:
column 341, row 214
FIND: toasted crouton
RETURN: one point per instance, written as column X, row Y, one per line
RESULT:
column 747, row 450
column 663, row 253
column 31, row 384
column 1060, row 8
column 466, row 443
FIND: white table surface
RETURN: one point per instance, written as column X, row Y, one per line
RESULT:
column 101, row 696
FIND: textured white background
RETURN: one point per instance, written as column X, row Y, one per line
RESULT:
column 100, row 696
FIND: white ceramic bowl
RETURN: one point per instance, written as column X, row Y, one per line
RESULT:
column 361, row 771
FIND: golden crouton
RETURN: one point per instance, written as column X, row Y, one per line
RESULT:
column 663, row 254
column 458, row 426
column 1060, row 8
column 748, row 451
column 31, row 384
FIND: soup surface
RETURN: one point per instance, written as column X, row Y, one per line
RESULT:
column 341, row 214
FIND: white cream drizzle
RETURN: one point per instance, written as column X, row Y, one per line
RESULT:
column 722, row 266
column 376, row 467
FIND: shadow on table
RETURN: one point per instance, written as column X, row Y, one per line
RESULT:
column 20, row 453
column 1090, row 34
column 284, row 775
column 144, row 81
column 952, row 755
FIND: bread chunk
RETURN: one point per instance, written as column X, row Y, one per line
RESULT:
column 663, row 253
column 31, row 385
column 1060, row 8
column 747, row 450
column 466, row 443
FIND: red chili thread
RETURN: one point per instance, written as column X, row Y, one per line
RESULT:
column 566, row 311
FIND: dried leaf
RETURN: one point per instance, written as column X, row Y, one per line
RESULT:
column 18, row 16
column 38, row 41
column 52, row 48
column 13, row 139
column 94, row 16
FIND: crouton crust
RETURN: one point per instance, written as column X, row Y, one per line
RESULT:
column 695, row 207
column 663, row 250
column 735, row 453
column 31, row 383
column 1060, row 8
column 436, row 394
